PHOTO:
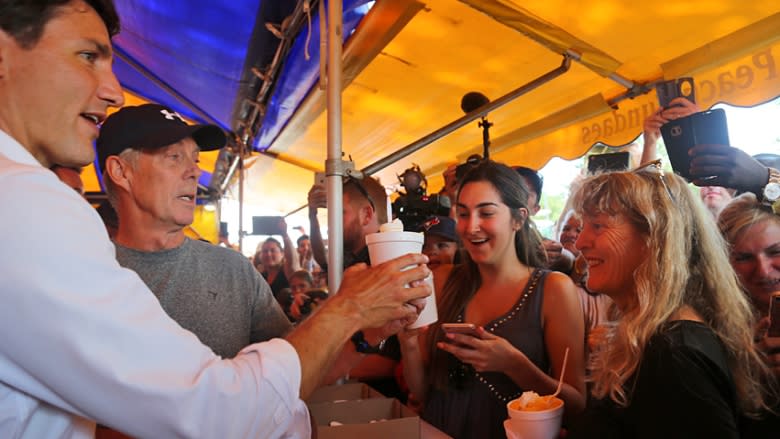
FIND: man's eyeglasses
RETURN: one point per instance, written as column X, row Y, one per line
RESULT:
column 359, row 185
column 654, row 168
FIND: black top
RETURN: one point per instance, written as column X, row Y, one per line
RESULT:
column 280, row 282
column 683, row 389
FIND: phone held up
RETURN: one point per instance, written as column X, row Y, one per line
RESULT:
column 675, row 88
column 267, row 225
column 319, row 178
column 703, row 128
column 613, row 161
column 774, row 315
column 460, row 328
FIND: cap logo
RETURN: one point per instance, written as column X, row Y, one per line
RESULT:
column 430, row 223
column 171, row 115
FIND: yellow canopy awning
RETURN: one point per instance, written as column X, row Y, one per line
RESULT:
column 402, row 88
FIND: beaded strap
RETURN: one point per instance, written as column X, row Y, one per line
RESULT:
column 537, row 275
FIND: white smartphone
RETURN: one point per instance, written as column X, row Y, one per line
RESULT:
column 319, row 178
column 460, row 328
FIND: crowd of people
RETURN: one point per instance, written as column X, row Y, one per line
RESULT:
column 651, row 303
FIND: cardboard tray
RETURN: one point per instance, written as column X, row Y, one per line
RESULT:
column 400, row 421
column 343, row 392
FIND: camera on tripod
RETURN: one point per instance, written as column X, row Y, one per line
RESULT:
column 413, row 206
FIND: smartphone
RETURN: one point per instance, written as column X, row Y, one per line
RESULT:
column 460, row 328
column 680, row 135
column 319, row 178
column 675, row 88
column 266, row 225
column 774, row 315
column 613, row 161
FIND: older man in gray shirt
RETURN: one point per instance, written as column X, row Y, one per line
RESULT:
column 149, row 157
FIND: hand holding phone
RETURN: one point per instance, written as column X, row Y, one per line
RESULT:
column 774, row 315
column 675, row 88
column 319, row 178
column 460, row 328
column 680, row 135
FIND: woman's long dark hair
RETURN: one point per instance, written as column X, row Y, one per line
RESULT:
column 465, row 280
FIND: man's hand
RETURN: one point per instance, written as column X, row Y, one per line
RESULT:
column 318, row 198
column 722, row 165
column 383, row 293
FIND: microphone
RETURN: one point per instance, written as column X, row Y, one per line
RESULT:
column 473, row 100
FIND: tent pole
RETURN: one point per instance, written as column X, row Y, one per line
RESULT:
column 333, row 164
column 454, row 125
column 241, row 150
column 479, row 112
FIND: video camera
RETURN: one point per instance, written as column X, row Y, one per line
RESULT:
column 463, row 168
column 413, row 206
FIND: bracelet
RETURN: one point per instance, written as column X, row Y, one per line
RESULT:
column 362, row 346
column 771, row 191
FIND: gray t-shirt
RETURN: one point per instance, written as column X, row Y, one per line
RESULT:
column 212, row 291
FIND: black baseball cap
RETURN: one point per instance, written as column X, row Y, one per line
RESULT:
column 442, row 226
column 151, row 126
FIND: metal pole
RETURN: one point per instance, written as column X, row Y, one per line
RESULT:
column 241, row 146
column 333, row 168
column 479, row 112
column 452, row 126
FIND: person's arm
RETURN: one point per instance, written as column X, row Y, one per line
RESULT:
column 367, row 298
column 726, row 166
column 104, row 348
column 680, row 107
column 564, row 327
column 317, row 199
column 414, row 342
column 291, row 263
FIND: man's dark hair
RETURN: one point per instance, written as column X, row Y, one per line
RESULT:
column 24, row 20
column 534, row 178
column 302, row 238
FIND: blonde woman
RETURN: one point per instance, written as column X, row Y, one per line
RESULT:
column 753, row 234
column 680, row 362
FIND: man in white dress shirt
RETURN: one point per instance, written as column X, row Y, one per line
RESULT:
column 84, row 340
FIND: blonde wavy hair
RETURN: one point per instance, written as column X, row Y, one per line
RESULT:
column 741, row 213
column 686, row 264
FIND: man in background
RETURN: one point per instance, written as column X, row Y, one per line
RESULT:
column 149, row 158
column 364, row 210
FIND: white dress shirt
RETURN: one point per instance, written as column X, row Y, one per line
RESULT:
column 84, row 339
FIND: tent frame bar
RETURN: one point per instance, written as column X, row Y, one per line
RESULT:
column 469, row 117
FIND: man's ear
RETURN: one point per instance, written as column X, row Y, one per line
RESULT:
column 367, row 214
column 119, row 171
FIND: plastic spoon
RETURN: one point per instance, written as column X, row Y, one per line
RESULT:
column 563, row 370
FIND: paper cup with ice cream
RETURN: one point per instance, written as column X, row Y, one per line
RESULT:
column 392, row 242
column 534, row 417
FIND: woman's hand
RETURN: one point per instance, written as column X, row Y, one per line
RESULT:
column 679, row 107
column 770, row 346
column 486, row 352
